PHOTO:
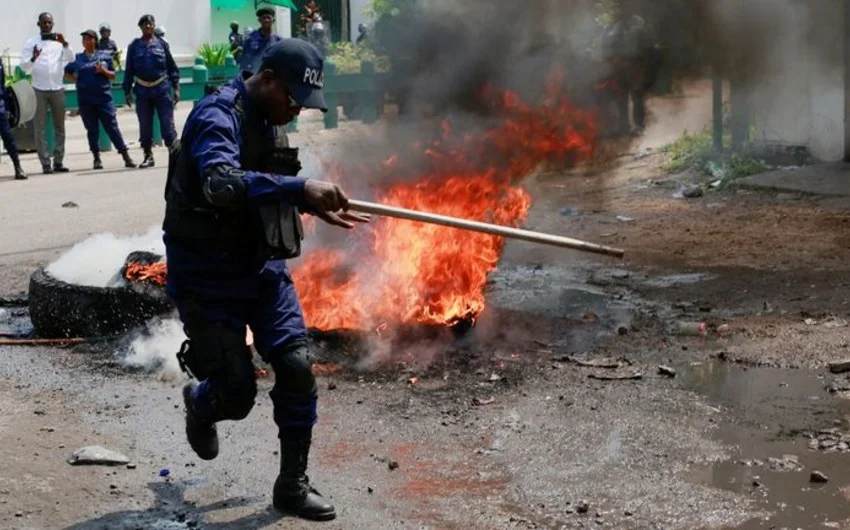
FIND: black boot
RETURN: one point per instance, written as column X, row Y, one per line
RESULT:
column 292, row 491
column 202, row 436
column 128, row 162
column 97, row 163
column 148, row 161
column 19, row 171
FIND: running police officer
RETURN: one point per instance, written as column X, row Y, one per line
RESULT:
column 258, row 41
column 232, row 218
column 149, row 61
column 93, row 72
column 6, row 129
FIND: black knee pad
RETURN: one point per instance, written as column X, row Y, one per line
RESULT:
column 293, row 369
column 235, row 399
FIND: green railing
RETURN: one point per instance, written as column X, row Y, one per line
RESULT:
column 362, row 88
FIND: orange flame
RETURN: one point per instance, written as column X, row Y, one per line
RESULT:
column 140, row 272
column 421, row 273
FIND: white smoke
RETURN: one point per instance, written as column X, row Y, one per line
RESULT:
column 155, row 349
column 98, row 260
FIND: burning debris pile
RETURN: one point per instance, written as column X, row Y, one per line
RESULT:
column 412, row 273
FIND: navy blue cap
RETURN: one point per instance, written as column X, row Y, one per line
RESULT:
column 89, row 33
column 147, row 18
column 301, row 66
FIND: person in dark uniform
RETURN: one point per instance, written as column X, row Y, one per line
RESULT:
column 93, row 72
column 231, row 220
column 108, row 45
column 6, row 129
column 258, row 41
column 152, row 67
column 235, row 39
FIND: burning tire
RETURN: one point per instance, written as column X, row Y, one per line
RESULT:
column 59, row 309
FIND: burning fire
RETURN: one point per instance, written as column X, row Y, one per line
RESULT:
column 419, row 273
column 140, row 272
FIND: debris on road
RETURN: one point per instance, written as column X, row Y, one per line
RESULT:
column 41, row 342
column 478, row 402
column 818, row 477
column 164, row 472
column 667, row 371
column 692, row 329
column 592, row 363
column 582, row 507
column 97, row 455
column 131, row 466
column 624, row 377
column 624, row 219
column 392, row 465
column 840, row 367
column 70, row 204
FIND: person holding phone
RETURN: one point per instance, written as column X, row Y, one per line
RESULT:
column 93, row 72
column 44, row 58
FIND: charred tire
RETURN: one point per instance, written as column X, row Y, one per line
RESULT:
column 59, row 309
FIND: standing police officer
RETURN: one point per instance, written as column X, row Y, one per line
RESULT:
column 6, row 129
column 232, row 218
column 107, row 44
column 93, row 72
column 149, row 61
column 258, row 41
column 235, row 39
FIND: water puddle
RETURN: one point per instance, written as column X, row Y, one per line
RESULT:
column 768, row 411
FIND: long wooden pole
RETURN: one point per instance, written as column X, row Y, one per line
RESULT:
column 487, row 228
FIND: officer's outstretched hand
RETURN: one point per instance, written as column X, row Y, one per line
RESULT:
column 331, row 204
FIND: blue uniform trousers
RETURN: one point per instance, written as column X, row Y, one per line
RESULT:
column 275, row 319
column 103, row 113
column 6, row 132
column 156, row 99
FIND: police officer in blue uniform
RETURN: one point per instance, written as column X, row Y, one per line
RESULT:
column 258, row 41
column 6, row 129
column 231, row 220
column 93, row 70
column 235, row 39
column 107, row 44
column 151, row 65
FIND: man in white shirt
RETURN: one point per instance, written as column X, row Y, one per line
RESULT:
column 44, row 57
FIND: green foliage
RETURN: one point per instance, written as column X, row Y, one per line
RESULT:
column 696, row 152
column 214, row 54
column 347, row 56
column 13, row 74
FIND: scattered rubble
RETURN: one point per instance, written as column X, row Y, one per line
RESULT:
column 582, row 507
column 617, row 377
column 97, row 455
column 666, row 371
column 70, row 204
column 818, row 478
column 829, row 440
column 840, row 367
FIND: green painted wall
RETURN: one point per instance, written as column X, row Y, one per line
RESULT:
column 223, row 12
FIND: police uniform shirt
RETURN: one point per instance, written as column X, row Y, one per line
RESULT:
column 253, row 48
column 149, row 62
column 3, row 94
column 92, row 88
column 212, row 137
column 107, row 45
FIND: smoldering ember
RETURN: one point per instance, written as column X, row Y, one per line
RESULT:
column 604, row 282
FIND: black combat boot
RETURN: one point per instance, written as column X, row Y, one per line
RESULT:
column 128, row 162
column 292, row 491
column 97, row 164
column 148, row 161
column 19, row 171
column 202, row 436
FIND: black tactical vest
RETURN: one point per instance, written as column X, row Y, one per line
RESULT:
column 272, row 231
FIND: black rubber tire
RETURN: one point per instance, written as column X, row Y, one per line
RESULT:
column 59, row 309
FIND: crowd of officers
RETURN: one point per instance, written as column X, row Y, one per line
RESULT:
column 151, row 84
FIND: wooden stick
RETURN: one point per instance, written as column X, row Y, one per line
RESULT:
column 487, row 228
column 40, row 342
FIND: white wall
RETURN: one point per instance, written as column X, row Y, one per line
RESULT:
column 799, row 99
column 186, row 21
